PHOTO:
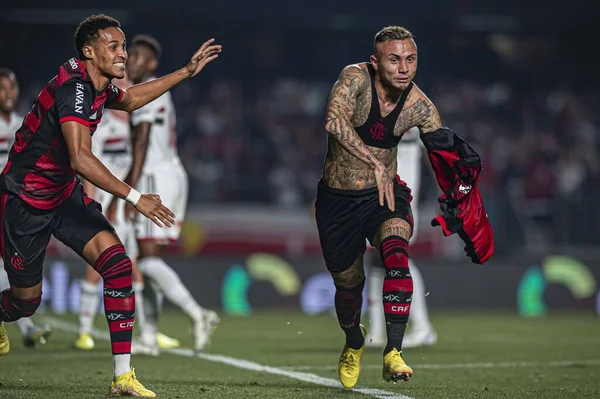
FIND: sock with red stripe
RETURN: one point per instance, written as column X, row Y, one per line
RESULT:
column 119, row 303
column 25, row 324
column 348, row 303
column 397, row 290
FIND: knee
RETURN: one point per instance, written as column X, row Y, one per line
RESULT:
column 349, row 279
column 113, row 263
column 14, row 308
column 155, row 269
column 29, row 306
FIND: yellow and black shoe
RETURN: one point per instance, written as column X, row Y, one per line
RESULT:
column 394, row 367
column 85, row 342
column 128, row 385
column 166, row 342
column 4, row 341
column 349, row 364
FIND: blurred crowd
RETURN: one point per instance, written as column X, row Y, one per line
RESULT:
column 268, row 146
column 252, row 130
column 538, row 140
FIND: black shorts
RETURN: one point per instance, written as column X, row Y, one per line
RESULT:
column 25, row 232
column 345, row 218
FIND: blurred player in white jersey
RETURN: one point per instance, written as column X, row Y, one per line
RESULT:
column 10, row 122
column 421, row 332
column 156, row 166
column 112, row 146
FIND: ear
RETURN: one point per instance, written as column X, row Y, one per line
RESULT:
column 153, row 64
column 88, row 51
column 373, row 60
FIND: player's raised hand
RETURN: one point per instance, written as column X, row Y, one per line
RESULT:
column 205, row 54
column 150, row 206
column 385, row 185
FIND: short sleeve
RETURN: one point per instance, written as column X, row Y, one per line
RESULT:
column 73, row 101
column 113, row 95
column 145, row 114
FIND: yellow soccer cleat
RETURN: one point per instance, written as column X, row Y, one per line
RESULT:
column 85, row 342
column 128, row 385
column 394, row 367
column 166, row 342
column 349, row 365
column 4, row 341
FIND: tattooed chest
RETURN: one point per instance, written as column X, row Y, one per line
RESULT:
column 411, row 115
column 344, row 171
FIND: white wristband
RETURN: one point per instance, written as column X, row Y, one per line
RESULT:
column 133, row 197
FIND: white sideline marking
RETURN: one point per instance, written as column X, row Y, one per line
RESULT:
column 240, row 363
column 562, row 363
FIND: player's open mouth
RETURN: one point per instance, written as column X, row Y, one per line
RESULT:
column 120, row 65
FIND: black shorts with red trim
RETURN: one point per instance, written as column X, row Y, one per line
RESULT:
column 25, row 232
column 345, row 218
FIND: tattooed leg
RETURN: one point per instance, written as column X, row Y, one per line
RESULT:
column 348, row 301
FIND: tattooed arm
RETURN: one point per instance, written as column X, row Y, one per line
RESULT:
column 340, row 110
column 429, row 118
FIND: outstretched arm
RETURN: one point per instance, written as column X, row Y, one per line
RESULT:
column 141, row 94
column 457, row 168
column 74, row 124
column 85, row 163
column 428, row 117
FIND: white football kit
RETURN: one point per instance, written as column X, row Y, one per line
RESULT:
column 7, row 135
column 162, row 173
column 410, row 151
column 111, row 144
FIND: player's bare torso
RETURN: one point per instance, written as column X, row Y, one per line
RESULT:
column 343, row 170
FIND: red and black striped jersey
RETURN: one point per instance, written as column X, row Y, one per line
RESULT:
column 39, row 168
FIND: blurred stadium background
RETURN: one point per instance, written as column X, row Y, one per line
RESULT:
column 519, row 80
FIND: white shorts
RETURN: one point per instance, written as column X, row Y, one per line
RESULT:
column 171, row 184
column 124, row 228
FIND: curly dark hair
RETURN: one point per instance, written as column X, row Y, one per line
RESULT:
column 87, row 31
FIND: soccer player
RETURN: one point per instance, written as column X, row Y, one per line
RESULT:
column 111, row 145
column 41, row 196
column 420, row 332
column 156, row 166
column 359, row 196
column 9, row 123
